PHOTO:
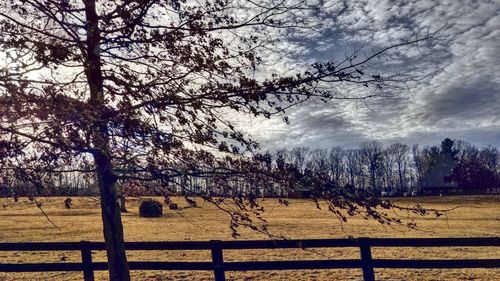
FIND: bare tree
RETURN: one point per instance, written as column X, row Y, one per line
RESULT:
column 319, row 160
column 417, row 163
column 336, row 165
column 298, row 156
column 354, row 168
column 385, row 170
column 491, row 158
column 372, row 157
column 399, row 152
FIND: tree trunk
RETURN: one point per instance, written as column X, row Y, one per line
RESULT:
column 106, row 179
column 122, row 201
column 112, row 222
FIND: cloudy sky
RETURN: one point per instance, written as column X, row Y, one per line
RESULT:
column 458, row 98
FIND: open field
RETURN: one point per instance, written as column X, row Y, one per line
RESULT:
column 476, row 216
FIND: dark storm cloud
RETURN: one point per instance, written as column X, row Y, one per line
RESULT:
column 476, row 101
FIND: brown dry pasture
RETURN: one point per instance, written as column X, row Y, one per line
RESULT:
column 475, row 216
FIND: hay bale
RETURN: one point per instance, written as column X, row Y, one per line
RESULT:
column 150, row 209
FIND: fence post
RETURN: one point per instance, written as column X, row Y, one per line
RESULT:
column 366, row 259
column 88, row 270
column 218, row 260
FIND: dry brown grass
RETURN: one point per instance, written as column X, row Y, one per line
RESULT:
column 477, row 216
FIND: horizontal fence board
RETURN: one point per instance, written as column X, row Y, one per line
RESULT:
column 261, row 265
column 286, row 244
column 182, row 245
column 41, row 246
column 434, row 242
column 291, row 265
column 170, row 265
column 41, row 267
column 479, row 263
column 240, row 245
column 260, row 244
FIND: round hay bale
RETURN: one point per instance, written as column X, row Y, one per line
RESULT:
column 150, row 209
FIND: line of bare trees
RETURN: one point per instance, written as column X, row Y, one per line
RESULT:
column 395, row 168
column 392, row 169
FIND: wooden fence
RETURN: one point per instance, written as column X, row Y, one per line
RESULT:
column 219, row 267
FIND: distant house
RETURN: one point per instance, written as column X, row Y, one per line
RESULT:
column 438, row 179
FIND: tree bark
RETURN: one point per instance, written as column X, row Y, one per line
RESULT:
column 121, row 198
column 111, row 218
column 106, row 179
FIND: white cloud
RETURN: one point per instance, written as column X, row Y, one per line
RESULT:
column 461, row 94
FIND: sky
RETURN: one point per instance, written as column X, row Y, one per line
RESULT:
column 457, row 95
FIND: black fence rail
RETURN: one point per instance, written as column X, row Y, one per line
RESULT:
column 366, row 263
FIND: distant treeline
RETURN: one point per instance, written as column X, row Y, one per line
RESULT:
column 392, row 169
column 397, row 168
